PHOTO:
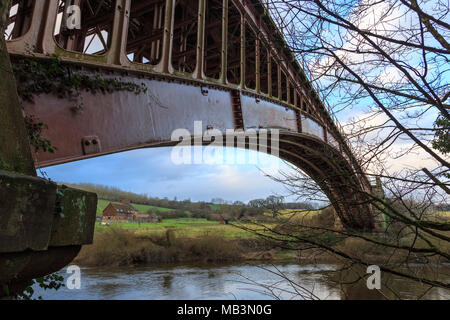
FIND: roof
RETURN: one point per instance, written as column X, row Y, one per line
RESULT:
column 123, row 208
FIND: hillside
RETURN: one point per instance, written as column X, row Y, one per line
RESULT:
column 101, row 205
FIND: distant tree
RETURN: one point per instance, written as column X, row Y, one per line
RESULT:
column 200, row 214
column 253, row 212
column 217, row 201
column 214, row 217
column 256, row 203
column 174, row 214
column 300, row 205
column 274, row 204
column 226, row 213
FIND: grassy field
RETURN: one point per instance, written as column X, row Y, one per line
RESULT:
column 297, row 213
column 182, row 227
column 143, row 207
column 192, row 239
column 187, row 228
column 102, row 204
column 191, row 227
column 214, row 206
column 195, row 228
column 443, row 214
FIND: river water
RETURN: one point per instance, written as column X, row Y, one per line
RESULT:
column 234, row 282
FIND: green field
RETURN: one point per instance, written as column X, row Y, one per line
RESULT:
column 195, row 228
column 444, row 214
column 187, row 227
column 183, row 227
column 102, row 204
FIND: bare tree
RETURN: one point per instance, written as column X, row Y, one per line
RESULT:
column 382, row 67
column 274, row 204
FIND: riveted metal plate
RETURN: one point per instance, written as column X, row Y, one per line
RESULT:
column 91, row 145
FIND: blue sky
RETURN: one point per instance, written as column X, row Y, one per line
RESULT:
column 151, row 171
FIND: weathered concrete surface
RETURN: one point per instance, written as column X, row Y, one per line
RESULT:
column 15, row 154
column 42, row 228
column 74, row 220
column 17, row 269
column 27, row 206
column 11, row 264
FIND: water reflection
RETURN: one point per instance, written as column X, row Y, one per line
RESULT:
column 240, row 282
column 348, row 281
column 167, row 281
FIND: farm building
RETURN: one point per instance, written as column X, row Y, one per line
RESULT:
column 119, row 212
column 125, row 212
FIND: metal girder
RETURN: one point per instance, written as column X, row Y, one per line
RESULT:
column 230, row 47
column 123, row 121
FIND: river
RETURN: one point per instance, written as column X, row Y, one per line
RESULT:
column 233, row 282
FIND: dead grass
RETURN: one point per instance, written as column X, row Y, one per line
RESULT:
column 118, row 246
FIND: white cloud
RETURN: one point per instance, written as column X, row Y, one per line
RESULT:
column 402, row 154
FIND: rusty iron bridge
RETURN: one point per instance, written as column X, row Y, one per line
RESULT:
column 222, row 62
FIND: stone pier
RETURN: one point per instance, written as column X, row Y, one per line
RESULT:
column 42, row 225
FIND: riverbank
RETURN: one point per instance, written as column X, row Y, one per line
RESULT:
column 203, row 241
column 118, row 246
column 121, row 247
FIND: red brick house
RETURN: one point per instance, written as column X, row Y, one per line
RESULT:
column 119, row 212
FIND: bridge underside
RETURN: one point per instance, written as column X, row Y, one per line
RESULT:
column 121, row 121
column 221, row 62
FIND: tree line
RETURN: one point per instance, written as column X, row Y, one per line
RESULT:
column 217, row 209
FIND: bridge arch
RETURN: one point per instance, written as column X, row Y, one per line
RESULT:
column 326, row 166
column 207, row 78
